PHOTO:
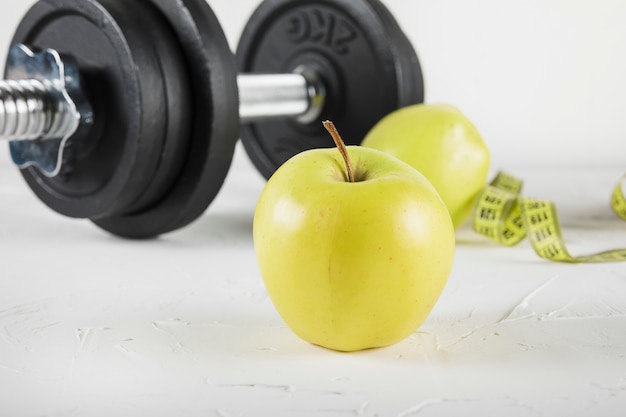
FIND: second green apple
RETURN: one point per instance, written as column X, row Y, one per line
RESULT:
column 441, row 143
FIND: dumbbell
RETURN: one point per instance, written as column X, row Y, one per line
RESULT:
column 127, row 112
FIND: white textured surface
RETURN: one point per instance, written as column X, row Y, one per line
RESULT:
column 91, row 325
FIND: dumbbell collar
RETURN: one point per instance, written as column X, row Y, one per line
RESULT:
column 43, row 106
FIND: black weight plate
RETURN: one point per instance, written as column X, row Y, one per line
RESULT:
column 177, row 99
column 214, row 126
column 115, row 164
column 367, row 64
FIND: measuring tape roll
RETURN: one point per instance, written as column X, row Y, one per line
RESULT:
column 504, row 216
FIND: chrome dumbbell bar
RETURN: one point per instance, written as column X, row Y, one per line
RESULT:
column 43, row 105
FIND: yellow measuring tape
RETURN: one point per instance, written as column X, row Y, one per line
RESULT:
column 618, row 202
column 503, row 215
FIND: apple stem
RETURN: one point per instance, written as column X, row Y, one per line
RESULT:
column 330, row 126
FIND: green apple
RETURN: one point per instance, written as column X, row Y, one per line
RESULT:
column 441, row 143
column 352, row 265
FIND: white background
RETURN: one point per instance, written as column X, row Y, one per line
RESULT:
column 544, row 80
